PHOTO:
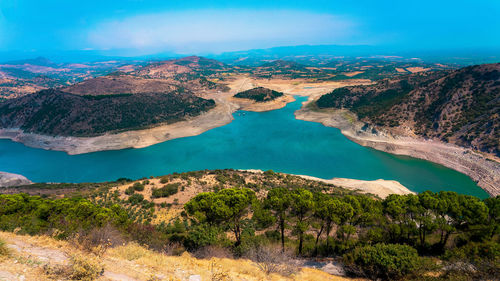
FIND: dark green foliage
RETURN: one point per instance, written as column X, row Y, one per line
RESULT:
column 474, row 261
column 370, row 104
column 228, row 206
column 165, row 191
column 204, row 234
column 57, row 113
column 454, row 106
column 138, row 186
column 388, row 262
column 135, row 199
column 259, row 94
column 130, row 190
column 35, row 215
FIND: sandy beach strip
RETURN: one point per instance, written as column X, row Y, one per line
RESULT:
column 382, row 188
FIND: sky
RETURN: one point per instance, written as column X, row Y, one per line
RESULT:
column 140, row 27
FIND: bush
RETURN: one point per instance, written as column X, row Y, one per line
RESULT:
column 271, row 259
column 34, row 215
column 477, row 261
column 203, row 235
column 165, row 191
column 138, row 186
column 80, row 267
column 385, row 261
column 85, row 268
column 4, row 251
column 213, row 251
column 130, row 190
column 135, row 199
column 98, row 240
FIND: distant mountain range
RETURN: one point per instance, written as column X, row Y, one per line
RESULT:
column 462, row 56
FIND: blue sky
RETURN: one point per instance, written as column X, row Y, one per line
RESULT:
column 143, row 26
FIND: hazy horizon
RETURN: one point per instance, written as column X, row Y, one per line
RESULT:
column 138, row 28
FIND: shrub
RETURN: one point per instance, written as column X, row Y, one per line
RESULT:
column 80, row 267
column 385, row 261
column 213, row 251
column 130, row 190
column 135, row 199
column 202, row 235
column 164, row 179
column 476, row 261
column 98, row 240
column 271, row 259
column 138, row 186
column 4, row 251
column 165, row 191
column 85, row 268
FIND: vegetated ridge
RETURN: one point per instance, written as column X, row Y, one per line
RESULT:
column 53, row 112
column 460, row 107
column 259, row 94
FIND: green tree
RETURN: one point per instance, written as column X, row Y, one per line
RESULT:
column 279, row 201
column 228, row 207
column 301, row 208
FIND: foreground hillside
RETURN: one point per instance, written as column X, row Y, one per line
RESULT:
column 279, row 222
column 460, row 107
column 45, row 258
column 52, row 112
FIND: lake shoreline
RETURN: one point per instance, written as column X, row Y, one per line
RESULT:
column 484, row 170
column 382, row 188
column 219, row 116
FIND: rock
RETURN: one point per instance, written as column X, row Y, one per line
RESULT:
column 195, row 278
column 8, row 179
column 5, row 275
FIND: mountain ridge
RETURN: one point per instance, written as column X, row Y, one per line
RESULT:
column 459, row 106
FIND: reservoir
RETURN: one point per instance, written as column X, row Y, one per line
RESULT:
column 272, row 140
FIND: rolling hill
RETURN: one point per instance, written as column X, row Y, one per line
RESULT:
column 53, row 112
column 461, row 107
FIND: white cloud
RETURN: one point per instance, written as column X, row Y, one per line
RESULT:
column 219, row 30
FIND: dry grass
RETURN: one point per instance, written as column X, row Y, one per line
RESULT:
column 137, row 262
column 4, row 251
column 81, row 267
column 208, row 269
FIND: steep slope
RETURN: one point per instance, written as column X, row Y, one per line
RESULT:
column 53, row 112
column 460, row 107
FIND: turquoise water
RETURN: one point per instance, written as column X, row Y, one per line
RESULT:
column 272, row 140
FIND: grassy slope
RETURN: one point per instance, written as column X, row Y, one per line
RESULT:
column 36, row 256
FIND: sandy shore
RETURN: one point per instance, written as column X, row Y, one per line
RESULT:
column 483, row 169
column 9, row 179
column 216, row 117
column 381, row 188
column 221, row 115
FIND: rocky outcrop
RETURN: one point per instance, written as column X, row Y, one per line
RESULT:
column 8, row 179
